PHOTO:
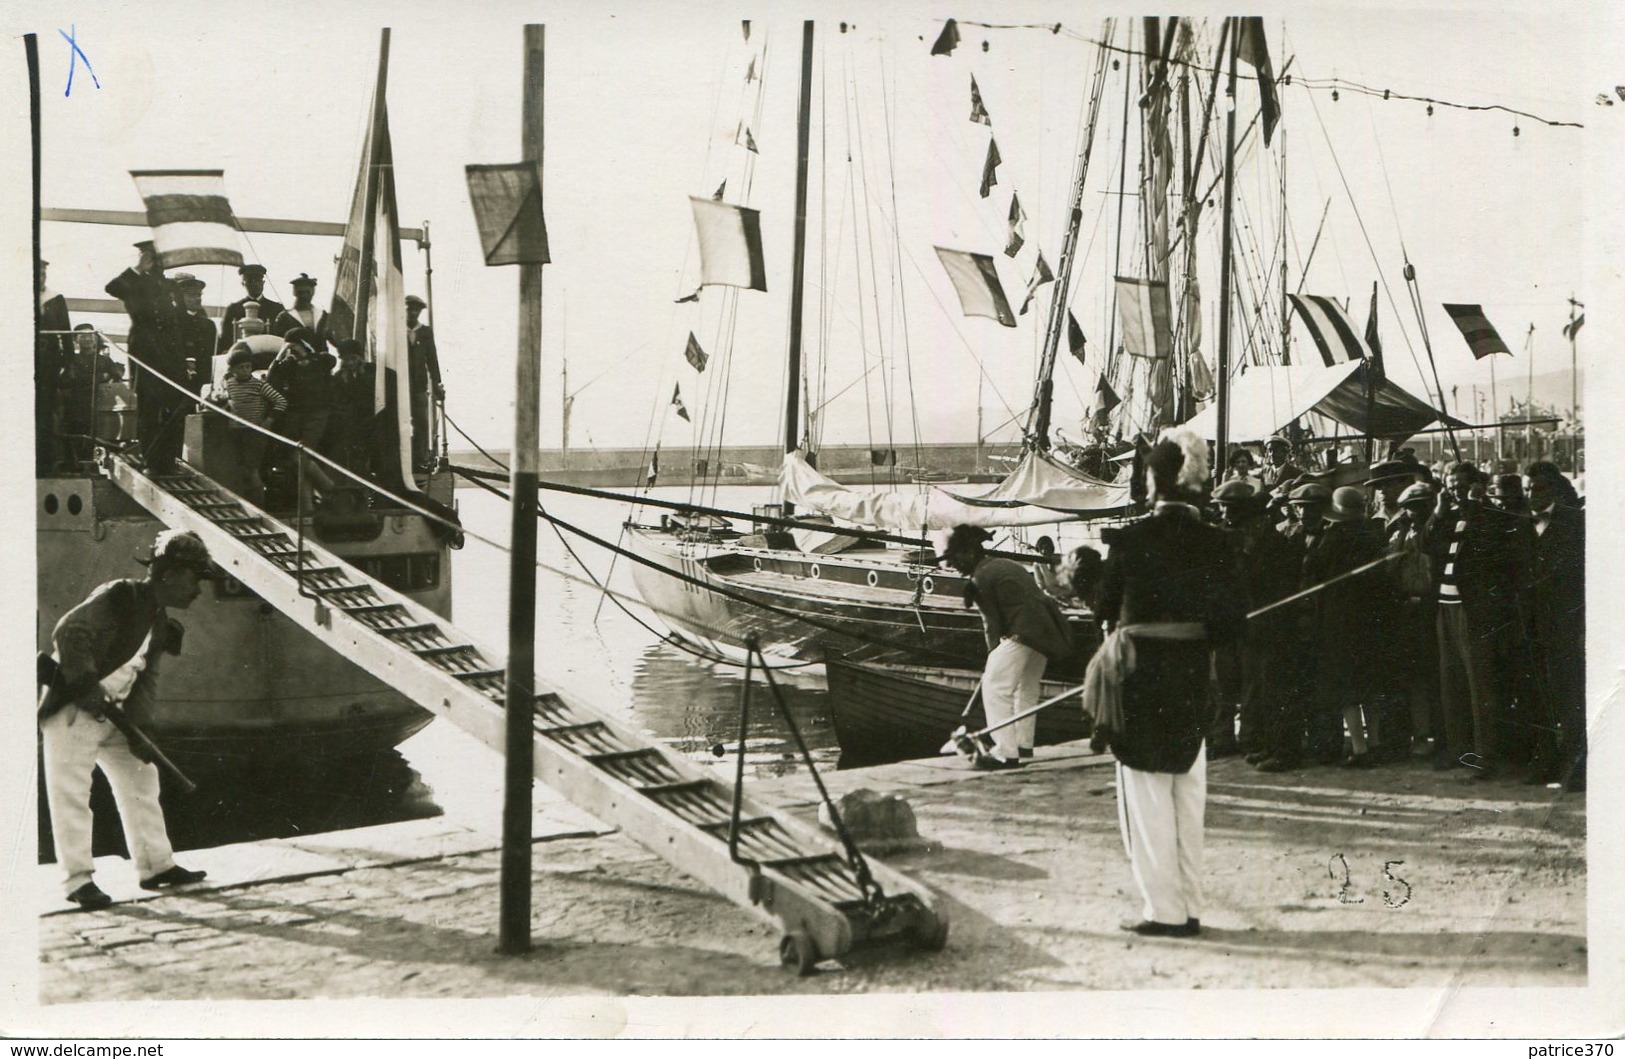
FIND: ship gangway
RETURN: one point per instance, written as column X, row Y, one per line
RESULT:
column 824, row 899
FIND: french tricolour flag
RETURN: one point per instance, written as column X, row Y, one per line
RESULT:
column 191, row 220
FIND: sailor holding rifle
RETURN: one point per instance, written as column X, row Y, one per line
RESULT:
column 105, row 658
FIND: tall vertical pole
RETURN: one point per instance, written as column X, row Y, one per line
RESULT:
column 1529, row 400
column 1222, row 432
column 798, row 273
column 1495, row 411
column 520, row 683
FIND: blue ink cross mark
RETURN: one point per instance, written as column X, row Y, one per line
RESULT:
column 74, row 56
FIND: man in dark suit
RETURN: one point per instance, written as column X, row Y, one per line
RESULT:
column 52, row 349
column 1170, row 594
column 1480, row 576
column 150, row 301
column 1557, row 594
column 423, row 381
column 254, row 284
column 196, row 330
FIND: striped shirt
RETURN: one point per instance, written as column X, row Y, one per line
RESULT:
column 252, row 398
column 1448, row 591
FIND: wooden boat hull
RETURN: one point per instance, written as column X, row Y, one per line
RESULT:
column 885, row 713
column 860, row 606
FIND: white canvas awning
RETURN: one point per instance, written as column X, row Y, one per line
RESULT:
column 1040, row 480
column 1264, row 399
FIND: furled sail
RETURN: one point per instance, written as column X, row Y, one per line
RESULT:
column 1042, row 483
column 895, row 509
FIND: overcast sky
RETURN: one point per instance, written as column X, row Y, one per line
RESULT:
column 642, row 101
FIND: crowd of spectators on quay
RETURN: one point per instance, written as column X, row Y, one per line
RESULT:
column 1446, row 623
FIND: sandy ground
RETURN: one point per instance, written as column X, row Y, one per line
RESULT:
column 1397, row 876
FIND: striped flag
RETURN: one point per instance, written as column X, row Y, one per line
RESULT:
column 1480, row 335
column 1041, row 276
column 694, row 354
column 1331, row 328
column 677, row 402
column 654, row 469
column 977, row 283
column 1074, row 336
column 978, row 112
column 1018, row 217
column 1371, row 340
column 191, row 220
column 990, row 167
column 1142, row 316
column 730, row 244
column 1105, row 397
column 1254, row 51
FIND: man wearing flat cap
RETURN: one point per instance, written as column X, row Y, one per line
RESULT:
column 254, row 284
column 1250, row 670
column 1278, row 466
column 1287, row 722
column 107, row 651
column 196, row 330
column 303, row 313
column 150, row 301
column 423, row 378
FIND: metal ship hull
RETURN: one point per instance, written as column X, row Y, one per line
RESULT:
column 250, row 687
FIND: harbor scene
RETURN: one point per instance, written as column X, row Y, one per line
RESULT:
column 1003, row 525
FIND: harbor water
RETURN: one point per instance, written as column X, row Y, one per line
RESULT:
column 610, row 654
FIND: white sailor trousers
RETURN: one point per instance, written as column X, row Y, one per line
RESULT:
column 1160, row 815
column 75, row 743
column 1010, row 684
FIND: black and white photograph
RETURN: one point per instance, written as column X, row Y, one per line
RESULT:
column 888, row 521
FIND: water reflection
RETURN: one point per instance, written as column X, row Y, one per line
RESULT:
column 693, row 706
column 263, row 802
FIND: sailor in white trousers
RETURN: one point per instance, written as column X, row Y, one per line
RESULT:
column 1166, row 861
column 106, row 653
column 1170, row 593
column 76, row 741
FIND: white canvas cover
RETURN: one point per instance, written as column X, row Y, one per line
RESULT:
column 895, row 509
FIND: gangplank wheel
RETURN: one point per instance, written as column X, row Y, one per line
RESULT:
column 798, row 953
column 930, row 932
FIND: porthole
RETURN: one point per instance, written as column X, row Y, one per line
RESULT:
column 76, row 503
column 928, row 585
column 813, row 572
column 873, row 579
column 50, row 503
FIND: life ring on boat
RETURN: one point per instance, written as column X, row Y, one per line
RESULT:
column 927, row 585
column 813, row 572
column 757, row 563
column 873, row 579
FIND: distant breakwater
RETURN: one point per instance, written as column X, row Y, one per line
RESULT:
column 752, row 464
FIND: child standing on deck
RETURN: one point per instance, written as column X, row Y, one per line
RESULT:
column 253, row 399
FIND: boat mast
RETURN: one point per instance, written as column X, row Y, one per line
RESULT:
column 1222, row 431
column 792, row 388
column 1038, row 417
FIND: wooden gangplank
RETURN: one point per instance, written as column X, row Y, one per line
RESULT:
column 789, row 873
